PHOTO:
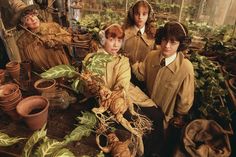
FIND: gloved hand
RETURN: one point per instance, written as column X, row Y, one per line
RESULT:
column 49, row 43
column 178, row 121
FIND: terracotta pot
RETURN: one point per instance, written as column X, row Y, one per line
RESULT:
column 15, row 73
column 12, row 65
column 2, row 76
column 45, row 85
column 11, row 104
column 9, row 91
column 34, row 110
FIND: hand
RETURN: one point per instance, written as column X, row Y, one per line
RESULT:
column 178, row 121
column 49, row 43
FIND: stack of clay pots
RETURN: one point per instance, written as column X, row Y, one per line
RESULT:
column 13, row 68
column 10, row 96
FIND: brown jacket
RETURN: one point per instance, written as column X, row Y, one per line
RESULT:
column 118, row 74
column 172, row 86
column 136, row 47
column 34, row 49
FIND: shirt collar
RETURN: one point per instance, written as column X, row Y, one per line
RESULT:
column 175, row 64
column 170, row 59
column 142, row 30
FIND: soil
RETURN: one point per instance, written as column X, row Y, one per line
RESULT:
column 60, row 123
column 36, row 111
column 45, row 84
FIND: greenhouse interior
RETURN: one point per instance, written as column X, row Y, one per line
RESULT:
column 122, row 78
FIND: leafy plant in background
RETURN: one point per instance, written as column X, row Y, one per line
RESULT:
column 209, row 91
column 96, row 65
column 39, row 145
column 93, row 23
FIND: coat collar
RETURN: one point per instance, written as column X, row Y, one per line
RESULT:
column 132, row 31
column 175, row 65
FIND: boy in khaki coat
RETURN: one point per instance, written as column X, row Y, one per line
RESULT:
column 168, row 75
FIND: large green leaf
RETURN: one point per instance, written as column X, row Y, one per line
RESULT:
column 77, row 86
column 5, row 140
column 89, row 119
column 97, row 63
column 63, row 153
column 49, row 147
column 59, row 71
column 36, row 137
column 77, row 134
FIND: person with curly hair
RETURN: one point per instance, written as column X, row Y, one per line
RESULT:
column 139, row 37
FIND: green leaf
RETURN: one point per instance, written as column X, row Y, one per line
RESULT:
column 36, row 137
column 49, row 147
column 63, row 153
column 59, row 71
column 97, row 63
column 78, row 133
column 89, row 119
column 5, row 140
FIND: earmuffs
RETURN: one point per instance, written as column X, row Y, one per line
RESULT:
column 187, row 39
column 131, row 10
column 102, row 33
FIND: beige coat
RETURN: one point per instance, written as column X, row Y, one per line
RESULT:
column 137, row 47
column 118, row 74
column 34, row 49
column 171, row 87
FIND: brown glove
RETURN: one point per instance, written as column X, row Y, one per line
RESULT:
column 178, row 121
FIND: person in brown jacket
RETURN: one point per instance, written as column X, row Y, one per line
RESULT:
column 118, row 75
column 42, row 43
column 168, row 75
column 139, row 38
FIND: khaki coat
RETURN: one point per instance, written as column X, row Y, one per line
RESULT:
column 34, row 49
column 137, row 47
column 118, row 75
column 172, row 86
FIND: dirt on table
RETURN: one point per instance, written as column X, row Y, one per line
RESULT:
column 60, row 123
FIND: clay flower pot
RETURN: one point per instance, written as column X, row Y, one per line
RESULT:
column 34, row 110
column 9, row 92
column 12, row 65
column 45, row 85
column 2, row 76
column 13, row 69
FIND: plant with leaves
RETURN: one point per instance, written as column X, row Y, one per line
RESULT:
column 209, row 92
column 6, row 140
column 93, row 68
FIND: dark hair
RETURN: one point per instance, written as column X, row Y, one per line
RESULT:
column 130, row 17
column 174, row 31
